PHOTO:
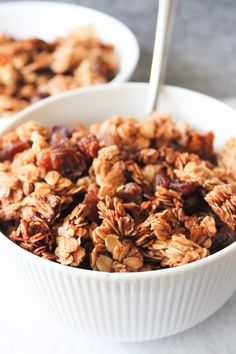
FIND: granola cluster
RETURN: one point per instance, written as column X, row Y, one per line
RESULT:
column 120, row 196
column 32, row 69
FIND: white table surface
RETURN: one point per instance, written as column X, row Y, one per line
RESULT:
column 23, row 329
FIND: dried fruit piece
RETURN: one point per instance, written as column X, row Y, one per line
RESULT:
column 161, row 180
column 44, row 160
column 59, row 136
column 130, row 192
column 201, row 144
column 194, row 203
column 223, row 238
column 184, row 188
column 91, row 201
column 11, row 149
column 67, row 161
column 64, row 159
column 89, row 146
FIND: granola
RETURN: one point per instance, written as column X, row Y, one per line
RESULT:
column 121, row 196
column 32, row 69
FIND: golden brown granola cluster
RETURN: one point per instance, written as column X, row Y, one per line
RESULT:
column 120, row 196
column 32, row 69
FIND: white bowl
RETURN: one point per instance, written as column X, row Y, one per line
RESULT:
column 131, row 306
column 47, row 20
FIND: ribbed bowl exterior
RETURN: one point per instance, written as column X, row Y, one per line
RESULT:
column 128, row 307
column 139, row 308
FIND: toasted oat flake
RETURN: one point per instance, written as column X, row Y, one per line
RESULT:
column 179, row 250
column 222, row 200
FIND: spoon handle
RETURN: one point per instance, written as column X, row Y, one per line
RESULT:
column 166, row 12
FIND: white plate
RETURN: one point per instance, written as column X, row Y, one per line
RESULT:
column 48, row 20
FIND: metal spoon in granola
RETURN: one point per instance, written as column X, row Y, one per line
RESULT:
column 166, row 13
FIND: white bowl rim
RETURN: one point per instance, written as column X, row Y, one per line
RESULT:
column 121, row 76
column 157, row 274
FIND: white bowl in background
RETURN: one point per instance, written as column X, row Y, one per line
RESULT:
column 127, row 306
column 48, row 20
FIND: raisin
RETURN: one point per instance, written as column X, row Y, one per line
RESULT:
column 68, row 161
column 160, row 180
column 101, row 67
column 202, row 145
column 195, row 203
column 59, row 136
column 44, row 160
column 64, row 159
column 89, row 146
column 88, row 245
column 132, row 192
column 222, row 239
column 11, row 149
column 183, row 188
column 91, row 200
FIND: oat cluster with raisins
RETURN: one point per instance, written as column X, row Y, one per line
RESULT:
column 120, row 196
column 32, row 69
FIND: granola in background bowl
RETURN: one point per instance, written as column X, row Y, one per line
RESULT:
column 120, row 196
column 32, row 69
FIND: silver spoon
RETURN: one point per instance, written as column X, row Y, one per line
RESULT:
column 166, row 13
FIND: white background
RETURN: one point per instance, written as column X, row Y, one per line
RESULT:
column 25, row 330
